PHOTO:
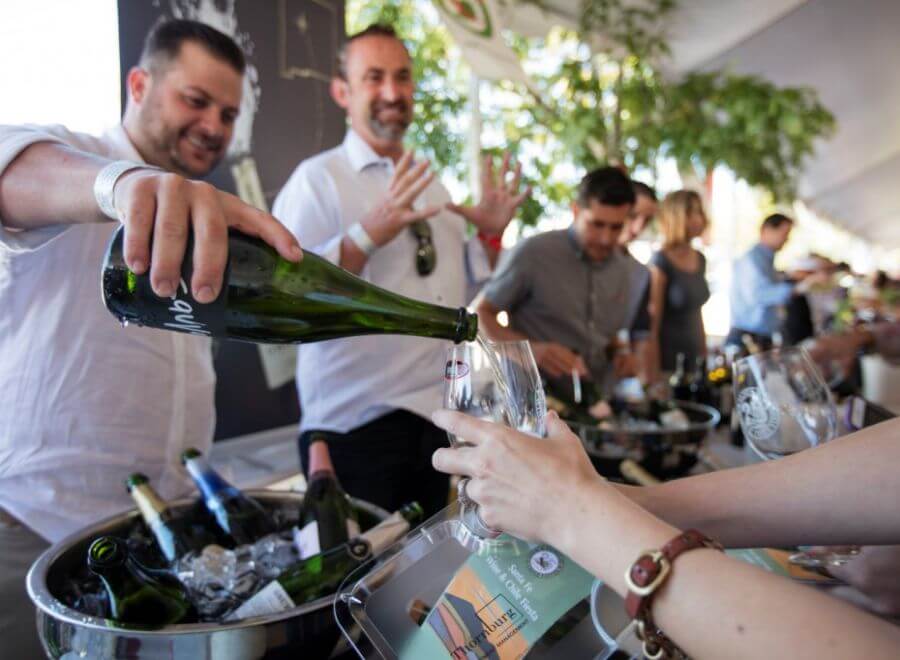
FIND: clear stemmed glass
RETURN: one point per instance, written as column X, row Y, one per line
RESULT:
column 498, row 381
column 784, row 407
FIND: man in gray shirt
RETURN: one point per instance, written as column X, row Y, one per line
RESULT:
column 569, row 291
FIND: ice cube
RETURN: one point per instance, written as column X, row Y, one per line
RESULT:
column 272, row 554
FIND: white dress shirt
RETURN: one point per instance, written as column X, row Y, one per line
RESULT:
column 85, row 402
column 345, row 383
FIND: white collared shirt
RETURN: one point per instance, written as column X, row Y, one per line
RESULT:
column 345, row 383
column 85, row 402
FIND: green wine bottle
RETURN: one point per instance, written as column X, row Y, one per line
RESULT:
column 327, row 517
column 267, row 299
column 242, row 519
column 321, row 574
column 174, row 534
column 134, row 596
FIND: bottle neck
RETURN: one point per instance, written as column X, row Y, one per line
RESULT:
column 152, row 507
column 320, row 461
column 466, row 326
column 387, row 531
column 213, row 487
column 119, row 579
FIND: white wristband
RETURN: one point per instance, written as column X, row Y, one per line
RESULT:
column 105, row 184
column 358, row 234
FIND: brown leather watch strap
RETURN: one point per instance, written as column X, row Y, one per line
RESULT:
column 652, row 568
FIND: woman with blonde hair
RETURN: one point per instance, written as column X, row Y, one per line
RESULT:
column 678, row 287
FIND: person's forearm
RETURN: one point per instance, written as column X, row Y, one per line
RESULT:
column 711, row 605
column 767, row 293
column 50, row 183
column 352, row 258
column 841, row 493
column 492, row 253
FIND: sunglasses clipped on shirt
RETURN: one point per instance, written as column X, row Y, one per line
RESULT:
column 426, row 255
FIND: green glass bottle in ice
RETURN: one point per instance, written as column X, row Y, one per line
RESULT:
column 267, row 299
column 241, row 518
column 321, row 574
column 327, row 517
column 135, row 597
column 175, row 535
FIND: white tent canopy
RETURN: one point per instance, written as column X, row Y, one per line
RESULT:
column 848, row 51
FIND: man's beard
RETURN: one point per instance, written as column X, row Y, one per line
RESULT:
column 393, row 130
column 215, row 143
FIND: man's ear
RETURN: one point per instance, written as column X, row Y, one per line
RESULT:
column 138, row 82
column 340, row 91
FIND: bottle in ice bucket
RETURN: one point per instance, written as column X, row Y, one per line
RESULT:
column 680, row 381
column 699, row 385
column 322, row 574
column 267, row 299
column 241, row 518
column 327, row 518
column 134, row 596
column 174, row 534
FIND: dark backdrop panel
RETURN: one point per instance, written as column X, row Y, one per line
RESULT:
column 290, row 47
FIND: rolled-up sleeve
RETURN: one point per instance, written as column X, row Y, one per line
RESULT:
column 13, row 141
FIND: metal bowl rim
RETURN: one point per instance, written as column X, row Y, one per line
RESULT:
column 714, row 417
column 39, row 592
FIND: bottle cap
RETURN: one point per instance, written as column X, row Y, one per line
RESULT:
column 190, row 453
column 136, row 479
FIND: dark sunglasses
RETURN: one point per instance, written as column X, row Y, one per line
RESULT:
column 426, row 255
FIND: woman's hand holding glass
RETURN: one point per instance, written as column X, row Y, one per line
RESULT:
column 498, row 382
column 522, row 484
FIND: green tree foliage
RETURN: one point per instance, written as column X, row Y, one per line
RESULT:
column 600, row 95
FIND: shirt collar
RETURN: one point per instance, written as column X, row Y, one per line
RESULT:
column 359, row 153
column 124, row 147
column 615, row 255
column 575, row 243
column 765, row 250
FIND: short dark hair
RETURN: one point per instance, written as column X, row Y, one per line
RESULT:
column 775, row 221
column 641, row 188
column 163, row 43
column 374, row 30
column 606, row 185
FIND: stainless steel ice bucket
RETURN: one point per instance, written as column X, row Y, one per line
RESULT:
column 306, row 632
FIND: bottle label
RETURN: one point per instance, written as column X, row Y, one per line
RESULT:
column 271, row 599
column 498, row 605
column 306, row 540
column 181, row 312
column 455, row 369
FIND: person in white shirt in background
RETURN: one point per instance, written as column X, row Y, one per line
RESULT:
column 368, row 206
column 86, row 402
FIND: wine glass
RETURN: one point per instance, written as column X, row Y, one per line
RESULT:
column 784, row 407
column 498, row 382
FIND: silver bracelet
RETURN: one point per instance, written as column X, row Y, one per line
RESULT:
column 358, row 234
column 105, row 184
